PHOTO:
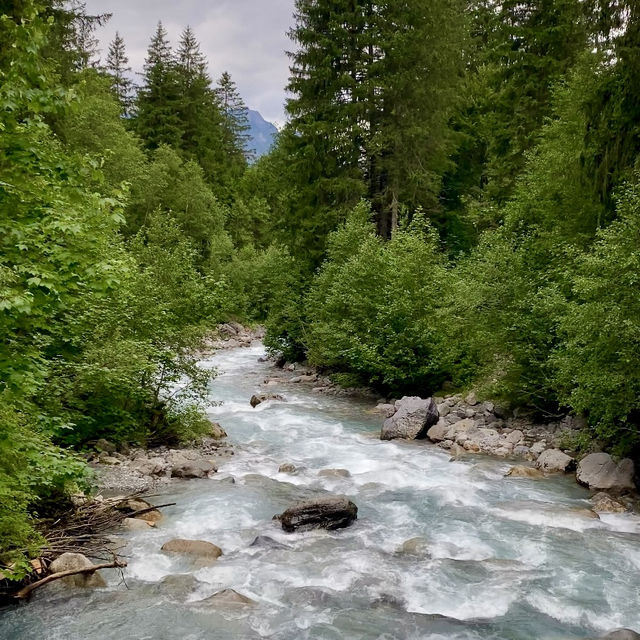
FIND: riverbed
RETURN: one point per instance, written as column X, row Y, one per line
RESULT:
column 496, row 558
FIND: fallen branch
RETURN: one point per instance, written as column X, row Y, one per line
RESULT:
column 26, row 591
column 140, row 512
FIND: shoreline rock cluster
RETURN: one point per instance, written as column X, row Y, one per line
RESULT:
column 466, row 426
column 144, row 469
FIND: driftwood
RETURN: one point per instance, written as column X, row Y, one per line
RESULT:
column 140, row 512
column 26, row 591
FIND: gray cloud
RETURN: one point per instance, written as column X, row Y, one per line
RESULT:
column 245, row 37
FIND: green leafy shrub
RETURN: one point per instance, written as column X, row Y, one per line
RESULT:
column 372, row 309
column 597, row 369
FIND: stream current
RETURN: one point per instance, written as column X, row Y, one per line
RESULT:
column 501, row 558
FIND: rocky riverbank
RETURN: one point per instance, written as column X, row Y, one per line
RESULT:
column 465, row 426
column 123, row 470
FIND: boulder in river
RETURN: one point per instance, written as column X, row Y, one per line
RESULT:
column 136, row 524
column 192, row 469
column 622, row 634
column 287, row 467
column 257, row 399
column 199, row 548
column 132, row 505
column 599, row 471
column 521, row 471
column 412, row 419
column 227, row 597
column 333, row 512
column 604, row 503
column 414, row 547
column 555, row 461
column 74, row 562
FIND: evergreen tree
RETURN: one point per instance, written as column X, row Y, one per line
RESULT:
column 236, row 118
column 372, row 86
column 117, row 68
column 530, row 47
column 157, row 119
column 200, row 115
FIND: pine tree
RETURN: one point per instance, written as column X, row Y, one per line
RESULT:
column 157, row 118
column 201, row 119
column 236, row 118
column 117, row 68
column 373, row 86
column 530, row 48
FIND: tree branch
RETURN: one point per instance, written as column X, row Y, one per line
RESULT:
column 26, row 591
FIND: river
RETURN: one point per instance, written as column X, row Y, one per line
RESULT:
column 501, row 558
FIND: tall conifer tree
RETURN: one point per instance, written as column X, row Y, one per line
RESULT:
column 236, row 118
column 372, row 86
column 157, row 119
column 117, row 67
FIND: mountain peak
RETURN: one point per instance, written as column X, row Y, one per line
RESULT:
column 262, row 133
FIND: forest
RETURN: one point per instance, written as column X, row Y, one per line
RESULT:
column 454, row 203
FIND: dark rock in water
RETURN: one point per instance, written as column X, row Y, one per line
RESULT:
column 257, row 399
column 268, row 543
column 287, row 467
column 622, row 634
column 412, row 419
column 335, row 512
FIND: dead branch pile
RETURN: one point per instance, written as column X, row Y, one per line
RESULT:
column 87, row 529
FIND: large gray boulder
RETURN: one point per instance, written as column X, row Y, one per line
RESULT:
column 599, row 471
column 555, row 461
column 412, row 419
column 333, row 512
column 75, row 562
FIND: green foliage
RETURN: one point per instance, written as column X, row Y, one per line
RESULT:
column 33, row 474
column 373, row 85
column 372, row 308
column 597, row 372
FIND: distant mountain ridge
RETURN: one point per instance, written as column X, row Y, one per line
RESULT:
column 262, row 133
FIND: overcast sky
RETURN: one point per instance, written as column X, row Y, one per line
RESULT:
column 245, row 37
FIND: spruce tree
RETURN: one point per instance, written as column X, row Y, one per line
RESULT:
column 236, row 118
column 373, row 86
column 201, row 119
column 530, row 48
column 157, row 119
column 117, row 67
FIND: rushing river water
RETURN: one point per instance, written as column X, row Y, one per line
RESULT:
column 512, row 559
